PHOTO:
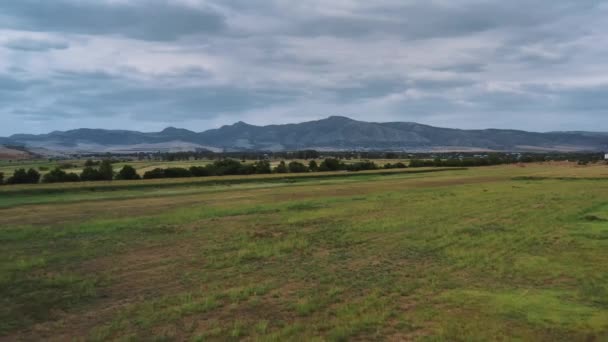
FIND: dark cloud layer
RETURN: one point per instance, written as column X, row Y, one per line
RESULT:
column 145, row 64
column 151, row 20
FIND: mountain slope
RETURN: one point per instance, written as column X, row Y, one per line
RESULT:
column 335, row 132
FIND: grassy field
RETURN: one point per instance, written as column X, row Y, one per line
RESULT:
column 493, row 253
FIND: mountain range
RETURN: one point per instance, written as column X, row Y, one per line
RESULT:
column 332, row 133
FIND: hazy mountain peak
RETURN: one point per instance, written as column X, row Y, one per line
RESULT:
column 335, row 132
column 338, row 118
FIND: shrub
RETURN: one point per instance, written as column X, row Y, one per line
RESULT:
column 262, row 166
column 331, row 164
column 421, row 163
column 20, row 176
column 281, row 168
column 106, row 171
column 90, row 174
column 200, row 171
column 226, row 167
column 127, row 173
column 177, row 172
column 1, row 177
column 154, row 174
column 297, row 167
column 57, row 175
column 361, row 166
column 312, row 166
column 398, row 165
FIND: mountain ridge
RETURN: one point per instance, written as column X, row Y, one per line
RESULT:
column 334, row 132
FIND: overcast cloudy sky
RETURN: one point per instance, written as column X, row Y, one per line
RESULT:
column 146, row 64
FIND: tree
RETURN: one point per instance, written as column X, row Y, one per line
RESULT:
column 331, row 164
column 20, row 176
column 262, row 166
column 177, row 172
column 33, row 176
column 361, row 166
column 57, row 175
column 200, row 171
column 90, row 174
column 281, row 168
column 1, row 178
column 226, row 167
column 106, row 171
column 127, row 173
column 313, row 166
column 297, row 167
column 154, row 174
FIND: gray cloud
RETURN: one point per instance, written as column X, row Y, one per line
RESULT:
column 150, row 20
column 35, row 45
column 203, row 63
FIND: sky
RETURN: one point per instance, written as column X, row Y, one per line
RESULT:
column 144, row 65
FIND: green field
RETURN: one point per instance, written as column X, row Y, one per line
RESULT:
column 480, row 254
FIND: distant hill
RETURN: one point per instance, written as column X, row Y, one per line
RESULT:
column 14, row 153
column 333, row 133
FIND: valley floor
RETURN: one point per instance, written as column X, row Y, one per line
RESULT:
column 493, row 253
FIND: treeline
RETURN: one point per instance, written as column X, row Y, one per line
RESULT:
column 508, row 157
column 456, row 160
column 95, row 171
column 103, row 171
column 234, row 167
column 493, row 159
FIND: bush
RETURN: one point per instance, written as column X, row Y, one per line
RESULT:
column 262, row 167
column 1, row 177
column 361, row 166
column 297, row 167
column 177, row 172
column 331, row 164
column 154, row 174
column 312, row 166
column 90, row 174
column 106, row 170
column 281, row 168
column 200, row 171
column 127, row 173
column 57, row 175
column 421, row 163
column 398, row 165
column 20, row 176
column 226, row 167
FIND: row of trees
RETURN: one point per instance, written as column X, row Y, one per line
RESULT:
column 21, row 176
column 234, row 167
column 493, row 159
column 103, row 171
